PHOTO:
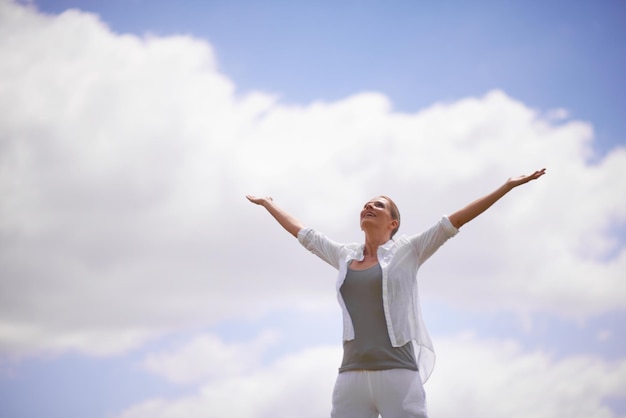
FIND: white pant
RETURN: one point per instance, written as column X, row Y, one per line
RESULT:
column 394, row 393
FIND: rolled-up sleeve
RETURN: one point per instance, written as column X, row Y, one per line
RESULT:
column 320, row 245
column 429, row 241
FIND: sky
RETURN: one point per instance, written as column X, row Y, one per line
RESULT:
column 137, row 281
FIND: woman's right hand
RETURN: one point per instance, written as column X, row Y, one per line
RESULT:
column 291, row 224
column 259, row 200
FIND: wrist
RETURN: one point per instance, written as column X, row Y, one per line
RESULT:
column 268, row 203
column 509, row 185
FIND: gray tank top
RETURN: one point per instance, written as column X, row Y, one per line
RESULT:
column 371, row 348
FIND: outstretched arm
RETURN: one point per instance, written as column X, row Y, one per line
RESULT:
column 291, row 224
column 469, row 212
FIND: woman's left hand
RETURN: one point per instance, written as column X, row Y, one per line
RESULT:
column 517, row 181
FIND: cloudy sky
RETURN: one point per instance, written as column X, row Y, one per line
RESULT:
column 137, row 282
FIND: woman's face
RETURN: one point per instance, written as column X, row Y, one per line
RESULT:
column 377, row 213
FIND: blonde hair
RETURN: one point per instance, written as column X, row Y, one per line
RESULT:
column 395, row 213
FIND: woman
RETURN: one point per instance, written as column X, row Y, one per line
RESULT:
column 387, row 352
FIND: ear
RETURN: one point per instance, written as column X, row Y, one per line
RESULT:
column 394, row 224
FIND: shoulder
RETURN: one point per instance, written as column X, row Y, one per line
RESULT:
column 310, row 236
column 442, row 227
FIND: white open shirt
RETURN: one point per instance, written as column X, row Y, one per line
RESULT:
column 399, row 260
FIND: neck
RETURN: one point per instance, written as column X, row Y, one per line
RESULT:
column 372, row 242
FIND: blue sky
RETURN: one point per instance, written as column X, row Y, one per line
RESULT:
column 137, row 282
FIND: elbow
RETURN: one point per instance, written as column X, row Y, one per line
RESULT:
column 457, row 221
column 295, row 230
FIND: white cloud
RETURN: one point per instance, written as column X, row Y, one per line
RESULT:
column 124, row 162
column 498, row 379
column 557, row 114
column 474, row 378
column 207, row 357
column 294, row 385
